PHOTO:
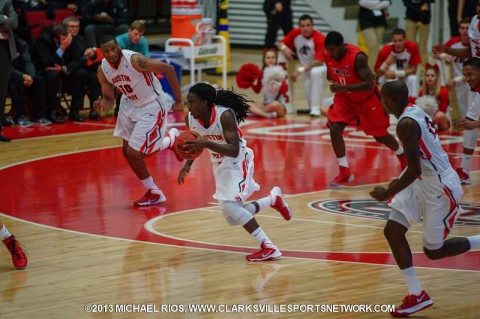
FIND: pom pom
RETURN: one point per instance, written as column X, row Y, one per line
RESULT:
column 247, row 75
column 273, row 77
column 428, row 104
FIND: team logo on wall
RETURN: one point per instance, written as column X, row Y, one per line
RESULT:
column 370, row 208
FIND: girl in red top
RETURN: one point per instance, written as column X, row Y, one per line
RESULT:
column 432, row 87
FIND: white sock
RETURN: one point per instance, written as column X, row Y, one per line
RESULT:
column 414, row 287
column 466, row 160
column 342, row 161
column 399, row 150
column 4, row 234
column 474, row 241
column 260, row 235
column 148, row 183
column 262, row 203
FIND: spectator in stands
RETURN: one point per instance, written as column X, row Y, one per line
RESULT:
column 104, row 17
column 308, row 43
column 279, row 13
column 458, row 10
column 24, row 80
column 8, row 22
column 55, row 55
column 417, row 19
column 134, row 40
column 398, row 60
column 373, row 22
column 433, row 97
column 86, row 55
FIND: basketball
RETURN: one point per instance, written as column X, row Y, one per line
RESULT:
column 180, row 142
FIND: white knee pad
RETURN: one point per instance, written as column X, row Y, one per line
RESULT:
column 234, row 213
column 470, row 139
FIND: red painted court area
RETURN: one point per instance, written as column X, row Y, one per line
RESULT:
column 93, row 191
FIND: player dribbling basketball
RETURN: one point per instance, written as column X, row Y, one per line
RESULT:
column 215, row 116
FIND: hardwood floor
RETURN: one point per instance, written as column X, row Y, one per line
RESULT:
column 68, row 198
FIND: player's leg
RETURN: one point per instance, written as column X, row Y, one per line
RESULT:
column 375, row 122
column 407, row 207
column 275, row 200
column 147, row 136
column 19, row 259
column 339, row 116
column 235, row 214
column 443, row 211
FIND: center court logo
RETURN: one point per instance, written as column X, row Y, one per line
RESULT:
column 370, row 208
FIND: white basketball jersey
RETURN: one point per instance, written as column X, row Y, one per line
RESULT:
column 433, row 159
column 474, row 35
column 139, row 87
column 214, row 132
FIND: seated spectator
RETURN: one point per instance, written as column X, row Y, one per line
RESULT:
column 134, row 40
column 24, row 81
column 437, row 94
column 308, row 44
column 104, row 17
column 272, row 79
column 398, row 60
column 55, row 55
column 86, row 56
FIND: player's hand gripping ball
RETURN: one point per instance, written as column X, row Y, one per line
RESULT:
column 180, row 144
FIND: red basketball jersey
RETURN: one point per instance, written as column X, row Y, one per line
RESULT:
column 344, row 72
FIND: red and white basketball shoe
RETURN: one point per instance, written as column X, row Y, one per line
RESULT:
column 151, row 197
column 344, row 177
column 403, row 161
column 173, row 133
column 412, row 304
column 279, row 204
column 268, row 251
column 464, row 176
column 19, row 258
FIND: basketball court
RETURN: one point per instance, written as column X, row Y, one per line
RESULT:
column 68, row 198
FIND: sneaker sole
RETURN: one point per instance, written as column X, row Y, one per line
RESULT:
column 350, row 179
column 417, row 308
column 273, row 256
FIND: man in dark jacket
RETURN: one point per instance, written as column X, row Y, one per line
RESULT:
column 55, row 55
column 24, row 80
column 104, row 17
column 8, row 22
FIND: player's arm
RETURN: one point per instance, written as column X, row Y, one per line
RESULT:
column 230, row 133
column 108, row 93
column 231, row 148
column 186, row 168
column 141, row 64
column 408, row 132
column 464, row 53
column 364, row 72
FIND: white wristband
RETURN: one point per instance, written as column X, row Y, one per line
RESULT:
column 400, row 74
column 458, row 79
column 283, row 47
column 301, row 69
column 443, row 55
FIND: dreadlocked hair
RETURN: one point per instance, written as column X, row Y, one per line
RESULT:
column 228, row 98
